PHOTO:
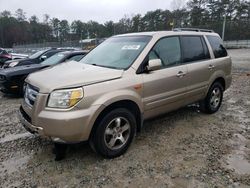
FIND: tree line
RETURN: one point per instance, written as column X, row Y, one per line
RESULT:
column 209, row 14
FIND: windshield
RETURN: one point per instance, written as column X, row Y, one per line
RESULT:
column 53, row 59
column 117, row 52
column 37, row 54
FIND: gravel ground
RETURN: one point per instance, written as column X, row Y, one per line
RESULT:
column 184, row 148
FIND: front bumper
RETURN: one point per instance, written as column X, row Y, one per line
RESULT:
column 24, row 119
column 9, row 87
column 60, row 126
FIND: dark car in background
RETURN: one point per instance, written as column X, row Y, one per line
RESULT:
column 36, row 58
column 4, row 56
column 12, row 79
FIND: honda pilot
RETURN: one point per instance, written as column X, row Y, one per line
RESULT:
column 129, row 78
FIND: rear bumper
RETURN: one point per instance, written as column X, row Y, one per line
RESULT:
column 228, row 81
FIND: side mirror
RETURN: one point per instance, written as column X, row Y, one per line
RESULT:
column 43, row 57
column 154, row 64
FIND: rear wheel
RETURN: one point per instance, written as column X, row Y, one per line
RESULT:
column 212, row 102
column 114, row 133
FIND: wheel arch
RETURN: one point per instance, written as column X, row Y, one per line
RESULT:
column 221, row 80
column 218, row 76
column 127, row 104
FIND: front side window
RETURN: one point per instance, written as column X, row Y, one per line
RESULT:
column 194, row 49
column 217, row 46
column 168, row 50
column 117, row 52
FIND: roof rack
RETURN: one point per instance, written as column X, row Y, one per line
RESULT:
column 193, row 29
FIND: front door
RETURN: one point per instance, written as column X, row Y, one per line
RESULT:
column 165, row 89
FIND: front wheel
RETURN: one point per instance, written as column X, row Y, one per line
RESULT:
column 212, row 102
column 114, row 133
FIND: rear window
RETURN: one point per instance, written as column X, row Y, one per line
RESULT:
column 217, row 46
column 194, row 49
column 50, row 53
column 3, row 52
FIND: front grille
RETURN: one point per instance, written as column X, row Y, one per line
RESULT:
column 30, row 94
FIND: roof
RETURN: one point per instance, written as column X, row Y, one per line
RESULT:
column 164, row 33
column 75, row 52
column 87, row 40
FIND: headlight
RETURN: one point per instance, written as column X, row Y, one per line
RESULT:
column 13, row 64
column 65, row 98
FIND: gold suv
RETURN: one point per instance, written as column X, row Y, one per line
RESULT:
column 105, row 98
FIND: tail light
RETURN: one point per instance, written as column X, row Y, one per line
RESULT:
column 8, row 56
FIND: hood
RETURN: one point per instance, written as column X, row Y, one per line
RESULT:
column 21, row 70
column 21, row 62
column 71, row 74
column 17, row 60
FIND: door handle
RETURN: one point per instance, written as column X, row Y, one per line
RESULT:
column 180, row 74
column 210, row 67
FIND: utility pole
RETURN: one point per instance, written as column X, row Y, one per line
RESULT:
column 81, row 39
column 224, row 27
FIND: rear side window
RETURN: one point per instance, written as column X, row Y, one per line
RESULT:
column 194, row 49
column 217, row 46
column 168, row 50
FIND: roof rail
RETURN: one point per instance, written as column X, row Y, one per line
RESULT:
column 193, row 29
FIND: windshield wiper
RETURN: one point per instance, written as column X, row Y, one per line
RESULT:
column 106, row 66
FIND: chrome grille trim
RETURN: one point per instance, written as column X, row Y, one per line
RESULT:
column 30, row 94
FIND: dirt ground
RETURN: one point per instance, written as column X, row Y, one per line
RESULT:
column 184, row 148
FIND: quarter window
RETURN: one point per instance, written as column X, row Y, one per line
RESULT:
column 194, row 49
column 168, row 50
column 217, row 46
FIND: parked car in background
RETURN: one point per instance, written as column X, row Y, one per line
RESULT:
column 18, row 56
column 12, row 79
column 4, row 56
column 105, row 98
column 36, row 58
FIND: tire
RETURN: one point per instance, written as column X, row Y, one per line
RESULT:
column 114, row 133
column 213, row 100
column 21, row 89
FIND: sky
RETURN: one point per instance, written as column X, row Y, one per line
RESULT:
column 84, row 10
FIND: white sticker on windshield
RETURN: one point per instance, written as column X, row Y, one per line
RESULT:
column 131, row 47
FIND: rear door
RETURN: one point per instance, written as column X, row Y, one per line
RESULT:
column 164, row 89
column 197, row 58
column 221, row 62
